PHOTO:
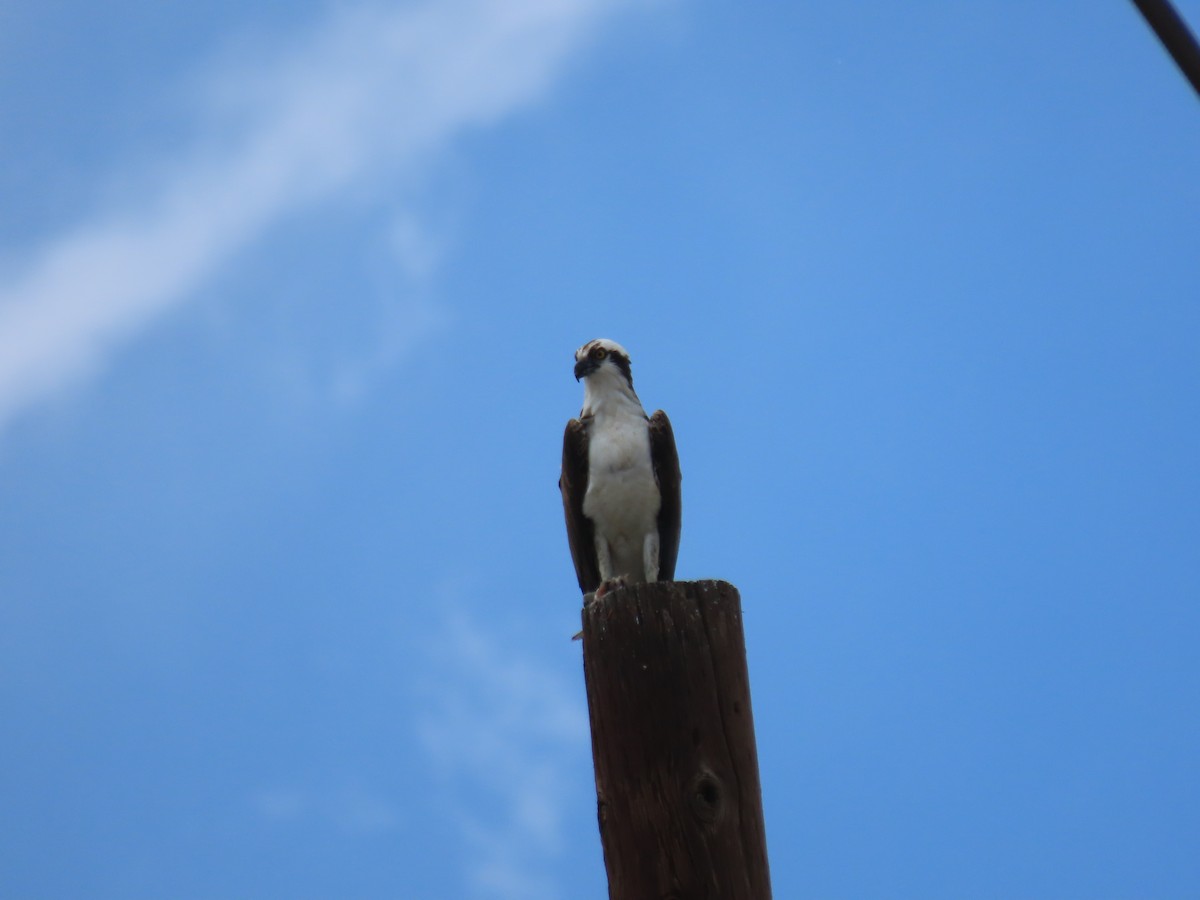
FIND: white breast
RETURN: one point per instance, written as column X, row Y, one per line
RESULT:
column 622, row 497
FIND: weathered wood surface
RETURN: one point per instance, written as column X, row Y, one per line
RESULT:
column 677, row 785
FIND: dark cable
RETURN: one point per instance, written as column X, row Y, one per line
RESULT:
column 1174, row 34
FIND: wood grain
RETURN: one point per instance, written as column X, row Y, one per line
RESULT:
column 677, row 786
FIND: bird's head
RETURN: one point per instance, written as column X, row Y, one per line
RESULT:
column 602, row 360
column 603, row 366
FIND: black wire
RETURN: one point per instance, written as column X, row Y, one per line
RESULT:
column 1174, row 34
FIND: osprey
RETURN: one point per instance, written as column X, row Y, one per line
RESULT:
column 620, row 479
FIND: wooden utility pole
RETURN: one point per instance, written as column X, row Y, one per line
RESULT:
column 677, row 787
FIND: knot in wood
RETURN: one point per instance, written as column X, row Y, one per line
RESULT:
column 706, row 797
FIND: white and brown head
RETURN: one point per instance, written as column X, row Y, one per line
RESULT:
column 603, row 367
column 602, row 359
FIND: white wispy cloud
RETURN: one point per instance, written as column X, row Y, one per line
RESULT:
column 350, row 808
column 502, row 727
column 373, row 88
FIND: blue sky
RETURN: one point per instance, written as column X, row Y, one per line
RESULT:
column 288, row 300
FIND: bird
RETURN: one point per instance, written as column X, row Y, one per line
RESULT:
column 620, row 480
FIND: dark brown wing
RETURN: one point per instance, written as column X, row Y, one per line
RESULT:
column 666, row 472
column 573, row 483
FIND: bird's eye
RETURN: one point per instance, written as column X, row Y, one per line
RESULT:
column 599, row 353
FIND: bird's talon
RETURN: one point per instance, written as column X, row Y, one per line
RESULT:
column 607, row 587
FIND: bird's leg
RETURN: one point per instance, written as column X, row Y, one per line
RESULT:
column 650, row 556
column 609, row 581
column 603, row 559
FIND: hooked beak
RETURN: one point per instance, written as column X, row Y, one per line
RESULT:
column 585, row 367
